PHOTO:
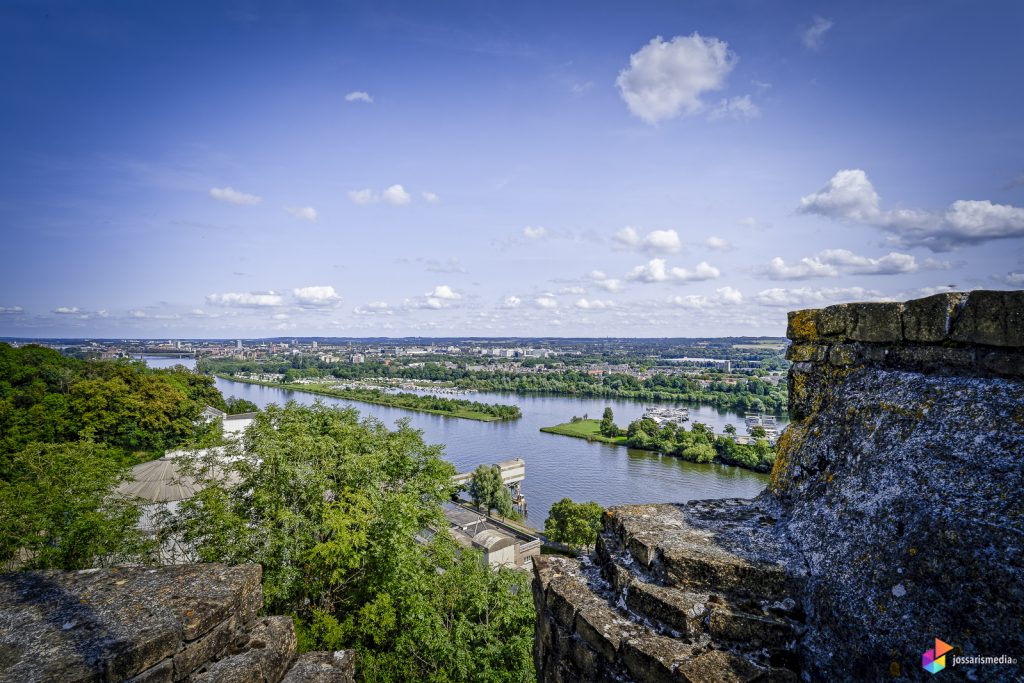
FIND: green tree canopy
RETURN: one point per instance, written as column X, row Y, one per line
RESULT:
column 575, row 524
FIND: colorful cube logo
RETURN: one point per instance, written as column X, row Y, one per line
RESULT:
column 934, row 661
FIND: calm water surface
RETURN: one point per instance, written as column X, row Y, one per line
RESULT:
column 556, row 466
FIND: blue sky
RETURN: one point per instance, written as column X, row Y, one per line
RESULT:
column 498, row 168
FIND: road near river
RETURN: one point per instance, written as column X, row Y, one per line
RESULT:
column 556, row 466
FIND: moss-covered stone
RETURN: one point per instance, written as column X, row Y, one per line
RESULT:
column 835, row 321
column 991, row 318
column 876, row 322
column 929, row 320
column 803, row 325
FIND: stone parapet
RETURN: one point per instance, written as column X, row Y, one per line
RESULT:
column 181, row 623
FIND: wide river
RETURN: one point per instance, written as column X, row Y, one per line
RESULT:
column 556, row 466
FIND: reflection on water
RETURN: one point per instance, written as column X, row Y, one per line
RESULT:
column 556, row 466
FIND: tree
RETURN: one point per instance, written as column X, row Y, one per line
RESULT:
column 701, row 452
column 729, row 429
column 236, row 406
column 486, row 486
column 608, row 427
column 575, row 524
column 758, row 432
column 333, row 508
column 57, row 510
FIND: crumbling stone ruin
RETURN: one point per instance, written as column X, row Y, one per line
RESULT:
column 894, row 516
column 195, row 623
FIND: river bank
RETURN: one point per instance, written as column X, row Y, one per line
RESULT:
column 400, row 400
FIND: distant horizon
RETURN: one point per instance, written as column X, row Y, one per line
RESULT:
column 318, row 338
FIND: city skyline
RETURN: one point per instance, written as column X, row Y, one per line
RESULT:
column 483, row 169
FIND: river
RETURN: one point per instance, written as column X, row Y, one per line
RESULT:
column 556, row 466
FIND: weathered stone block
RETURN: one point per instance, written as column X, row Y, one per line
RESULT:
column 323, row 667
column 803, row 325
column 751, row 629
column 835, row 321
column 263, row 657
column 1006, row 363
column 652, row 658
column 941, row 359
column 876, row 322
column 206, row 648
column 843, row 355
column 717, row 666
column 806, row 352
column 991, row 318
column 930, row 319
column 680, row 610
column 161, row 673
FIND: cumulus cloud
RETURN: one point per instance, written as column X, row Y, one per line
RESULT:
column 444, row 292
column 534, row 233
column 717, row 243
column 1013, row 279
column 604, row 282
column 834, row 262
column 546, row 301
column 233, row 196
column 810, row 296
column 245, row 299
column 11, row 310
column 656, row 270
column 316, row 296
column 667, row 78
column 813, row 36
column 366, row 196
column 594, row 303
column 307, row 213
column 654, row 242
column 67, row 310
column 396, row 195
column 723, row 296
column 373, row 308
column 573, row 290
column 359, row 96
column 738, row 108
column 511, row 302
column 430, row 197
column 849, row 196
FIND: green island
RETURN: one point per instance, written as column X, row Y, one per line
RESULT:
column 698, row 444
column 451, row 407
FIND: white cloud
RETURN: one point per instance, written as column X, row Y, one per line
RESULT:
column 594, row 303
column 430, row 197
column 233, row 196
column 833, row 262
column 665, row 79
column 245, row 299
column 628, row 237
column 718, row 243
column 604, row 282
column 815, row 34
column 662, row 242
column 850, row 196
column 316, row 296
column 534, row 233
column 654, row 242
column 736, row 108
column 396, row 195
column 359, row 96
column 304, row 212
column 11, row 310
column 362, row 196
column 511, row 302
column 724, row 296
column 573, row 290
column 809, row 296
column 67, row 310
column 373, row 308
column 444, row 292
column 546, row 302
column 656, row 270
column 1012, row 279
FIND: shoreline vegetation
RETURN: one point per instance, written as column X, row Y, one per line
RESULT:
column 697, row 445
column 449, row 407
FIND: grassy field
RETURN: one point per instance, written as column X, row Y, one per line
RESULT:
column 342, row 394
column 584, row 429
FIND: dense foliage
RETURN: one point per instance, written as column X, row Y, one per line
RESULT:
column 334, row 508
column 700, row 444
column 575, row 524
column 740, row 395
column 135, row 411
column 488, row 490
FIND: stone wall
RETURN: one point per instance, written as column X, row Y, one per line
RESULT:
column 894, row 516
column 183, row 623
